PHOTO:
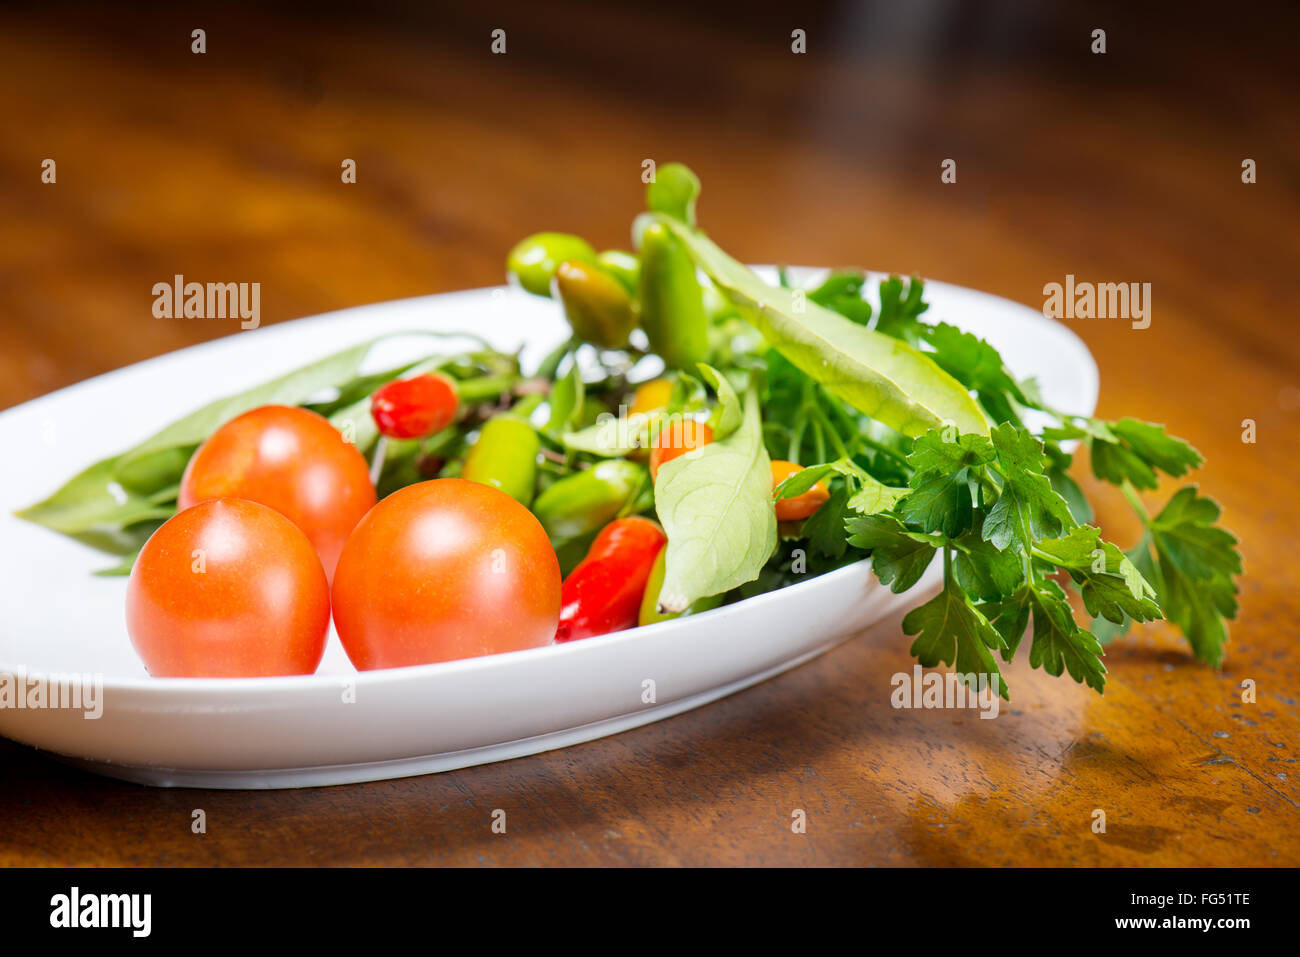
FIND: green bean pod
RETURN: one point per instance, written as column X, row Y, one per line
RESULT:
column 625, row 267
column 505, row 457
column 588, row 500
column 533, row 261
column 672, row 301
column 598, row 307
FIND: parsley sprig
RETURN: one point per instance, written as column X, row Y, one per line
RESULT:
column 1013, row 529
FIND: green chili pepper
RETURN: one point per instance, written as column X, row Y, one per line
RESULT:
column 650, row 613
column 532, row 263
column 624, row 267
column 596, row 304
column 672, row 301
column 588, row 500
column 505, row 455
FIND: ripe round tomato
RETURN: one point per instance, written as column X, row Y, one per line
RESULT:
column 442, row 570
column 295, row 462
column 228, row 589
column 681, row 436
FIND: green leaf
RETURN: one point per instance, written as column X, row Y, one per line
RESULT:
column 1058, row 474
column 1185, row 532
column 898, row 557
column 1028, row 508
column 899, row 309
column 1010, row 618
column 715, row 503
column 1157, row 447
column 876, row 374
column 1111, row 584
column 951, row 630
column 289, row 389
column 971, row 361
column 824, row 528
column 982, row 570
column 96, row 508
column 727, row 416
column 566, row 403
column 945, row 482
column 842, row 292
column 1133, row 450
column 1197, row 561
column 1059, row 644
column 114, row 503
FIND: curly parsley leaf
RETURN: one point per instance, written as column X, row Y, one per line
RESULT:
column 1197, row 561
column 900, row 309
column 951, row 630
column 1028, row 508
column 1112, row 586
column 982, row 570
column 1128, row 449
column 946, row 481
column 1059, row 644
column 842, row 292
column 898, row 557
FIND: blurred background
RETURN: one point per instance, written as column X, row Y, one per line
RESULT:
column 225, row 166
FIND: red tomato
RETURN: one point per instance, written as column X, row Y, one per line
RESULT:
column 416, row 407
column 680, row 437
column 603, row 593
column 228, row 589
column 292, row 460
column 442, row 570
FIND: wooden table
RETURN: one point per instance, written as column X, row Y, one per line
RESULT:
column 1117, row 167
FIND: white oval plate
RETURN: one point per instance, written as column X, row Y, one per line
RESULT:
column 338, row 726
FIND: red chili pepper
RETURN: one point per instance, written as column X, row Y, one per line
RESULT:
column 416, row 407
column 603, row 593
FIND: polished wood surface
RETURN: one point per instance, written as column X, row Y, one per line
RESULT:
column 1117, row 167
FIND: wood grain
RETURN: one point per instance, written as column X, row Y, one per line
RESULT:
column 1122, row 167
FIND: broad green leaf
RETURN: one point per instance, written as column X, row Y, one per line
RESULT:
column 715, row 503
column 289, row 389
column 96, row 504
column 876, row 374
column 107, row 504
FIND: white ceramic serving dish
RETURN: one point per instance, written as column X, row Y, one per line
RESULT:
column 55, row 617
